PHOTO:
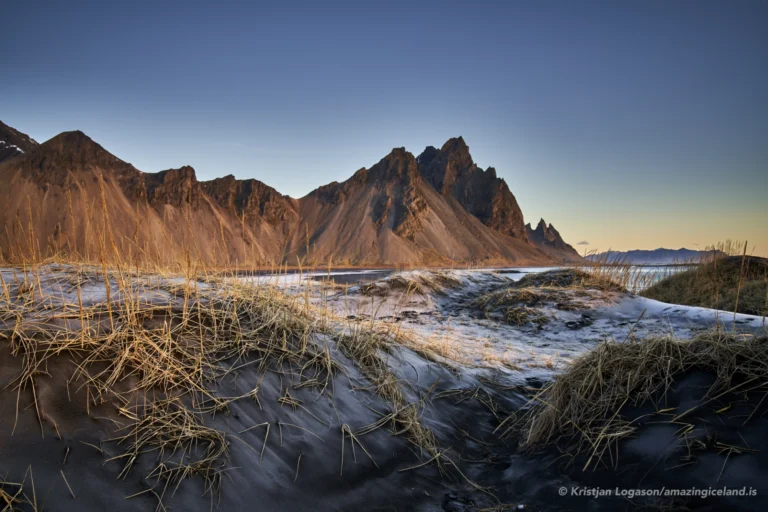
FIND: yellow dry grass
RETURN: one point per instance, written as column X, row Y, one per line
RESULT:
column 157, row 342
column 582, row 407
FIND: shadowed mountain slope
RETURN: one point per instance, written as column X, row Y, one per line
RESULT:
column 451, row 171
column 13, row 142
column 390, row 214
column 548, row 239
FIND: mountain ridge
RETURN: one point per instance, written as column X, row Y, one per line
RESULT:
column 452, row 172
column 13, row 142
column 389, row 214
column 548, row 239
column 660, row 256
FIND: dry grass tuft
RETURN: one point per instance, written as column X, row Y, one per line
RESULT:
column 730, row 283
column 185, row 446
column 367, row 347
column 521, row 316
column 157, row 345
column 14, row 497
column 419, row 283
column 582, row 407
column 572, row 278
column 566, row 290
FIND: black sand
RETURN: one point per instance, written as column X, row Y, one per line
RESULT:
column 67, row 454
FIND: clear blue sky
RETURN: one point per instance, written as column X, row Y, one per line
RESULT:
column 631, row 124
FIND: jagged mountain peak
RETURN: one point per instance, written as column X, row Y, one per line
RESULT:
column 453, row 173
column 548, row 239
column 544, row 229
column 75, row 147
column 398, row 165
column 9, row 133
column 397, row 156
column 56, row 159
column 455, row 145
column 176, row 187
column 185, row 171
column 73, row 142
column 438, row 207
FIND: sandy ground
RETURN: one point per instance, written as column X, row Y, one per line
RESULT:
column 481, row 370
column 446, row 319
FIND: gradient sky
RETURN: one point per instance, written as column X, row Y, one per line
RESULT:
column 626, row 124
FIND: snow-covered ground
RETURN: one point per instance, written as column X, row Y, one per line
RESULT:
column 439, row 309
column 446, row 319
column 493, row 365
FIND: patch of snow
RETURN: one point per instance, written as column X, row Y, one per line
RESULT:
column 445, row 321
column 11, row 146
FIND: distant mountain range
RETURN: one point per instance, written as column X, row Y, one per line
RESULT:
column 70, row 195
column 654, row 257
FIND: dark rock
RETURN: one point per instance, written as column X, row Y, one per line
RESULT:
column 14, row 143
column 251, row 200
column 453, row 173
column 548, row 239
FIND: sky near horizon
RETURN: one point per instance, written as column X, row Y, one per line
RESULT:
column 627, row 125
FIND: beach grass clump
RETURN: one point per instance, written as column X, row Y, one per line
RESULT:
column 521, row 316
column 415, row 283
column 368, row 346
column 566, row 290
column 184, row 446
column 396, row 283
column 511, row 296
column 571, row 278
column 730, row 283
column 634, row 278
column 581, row 409
column 172, row 343
column 156, row 346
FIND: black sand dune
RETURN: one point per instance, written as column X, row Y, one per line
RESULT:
column 294, row 414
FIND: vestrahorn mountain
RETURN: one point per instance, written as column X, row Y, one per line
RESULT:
column 69, row 196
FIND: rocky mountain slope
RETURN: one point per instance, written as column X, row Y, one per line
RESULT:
column 453, row 174
column 65, row 191
column 71, row 196
column 14, row 143
column 548, row 239
column 390, row 214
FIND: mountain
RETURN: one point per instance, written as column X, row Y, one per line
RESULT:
column 548, row 239
column 69, row 195
column 390, row 214
column 14, row 143
column 655, row 257
column 66, row 191
column 453, row 174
